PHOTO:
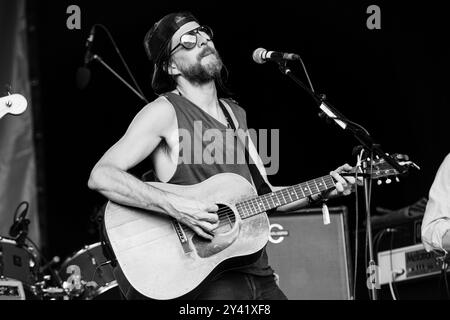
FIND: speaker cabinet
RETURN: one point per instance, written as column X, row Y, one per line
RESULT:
column 312, row 259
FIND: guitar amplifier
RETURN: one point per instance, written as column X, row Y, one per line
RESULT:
column 409, row 263
column 418, row 274
column 312, row 260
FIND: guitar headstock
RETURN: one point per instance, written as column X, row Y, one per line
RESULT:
column 14, row 104
column 380, row 170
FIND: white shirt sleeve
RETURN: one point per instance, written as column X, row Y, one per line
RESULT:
column 436, row 220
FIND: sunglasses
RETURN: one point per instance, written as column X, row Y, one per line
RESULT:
column 189, row 39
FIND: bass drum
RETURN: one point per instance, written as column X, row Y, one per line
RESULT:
column 90, row 267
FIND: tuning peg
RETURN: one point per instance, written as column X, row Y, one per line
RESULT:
column 379, row 182
column 388, row 181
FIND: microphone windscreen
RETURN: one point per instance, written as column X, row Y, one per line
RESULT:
column 257, row 55
column 82, row 77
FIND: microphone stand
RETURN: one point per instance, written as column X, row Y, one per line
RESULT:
column 367, row 142
column 99, row 59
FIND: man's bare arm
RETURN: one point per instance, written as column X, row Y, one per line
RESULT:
column 110, row 176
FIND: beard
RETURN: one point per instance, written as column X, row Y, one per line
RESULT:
column 199, row 73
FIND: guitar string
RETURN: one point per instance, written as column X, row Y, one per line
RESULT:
column 225, row 212
column 284, row 192
column 252, row 204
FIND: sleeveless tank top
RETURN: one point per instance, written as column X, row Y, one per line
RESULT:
column 200, row 158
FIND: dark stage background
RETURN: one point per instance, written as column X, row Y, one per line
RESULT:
column 393, row 81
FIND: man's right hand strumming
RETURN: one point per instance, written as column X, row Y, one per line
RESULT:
column 200, row 216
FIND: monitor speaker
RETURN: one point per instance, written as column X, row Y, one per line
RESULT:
column 311, row 259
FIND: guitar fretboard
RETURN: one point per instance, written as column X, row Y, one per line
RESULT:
column 254, row 206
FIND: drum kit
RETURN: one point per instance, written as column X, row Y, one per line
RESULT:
column 85, row 275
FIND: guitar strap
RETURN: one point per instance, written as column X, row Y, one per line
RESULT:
column 258, row 180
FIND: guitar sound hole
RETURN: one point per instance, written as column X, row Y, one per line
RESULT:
column 227, row 219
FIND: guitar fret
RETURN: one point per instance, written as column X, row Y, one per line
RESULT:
column 314, row 187
column 320, row 185
column 281, row 197
column 323, row 184
column 286, row 191
column 283, row 193
column 278, row 200
column 247, row 209
column 260, row 205
column 255, row 205
column 264, row 197
column 330, row 183
column 271, row 199
column 241, row 208
column 264, row 204
column 252, row 207
column 297, row 191
column 306, row 190
column 298, row 188
column 317, row 187
column 292, row 192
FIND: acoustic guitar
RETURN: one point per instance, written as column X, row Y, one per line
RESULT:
column 164, row 259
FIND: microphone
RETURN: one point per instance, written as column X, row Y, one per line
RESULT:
column 83, row 73
column 88, row 45
column 261, row 55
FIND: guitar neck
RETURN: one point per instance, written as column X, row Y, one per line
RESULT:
column 266, row 202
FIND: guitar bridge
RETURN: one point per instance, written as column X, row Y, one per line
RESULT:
column 182, row 237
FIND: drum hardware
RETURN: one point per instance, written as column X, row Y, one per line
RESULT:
column 11, row 289
column 55, row 293
column 19, row 228
column 18, row 262
column 88, row 275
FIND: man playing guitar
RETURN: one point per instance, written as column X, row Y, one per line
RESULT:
column 187, row 68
